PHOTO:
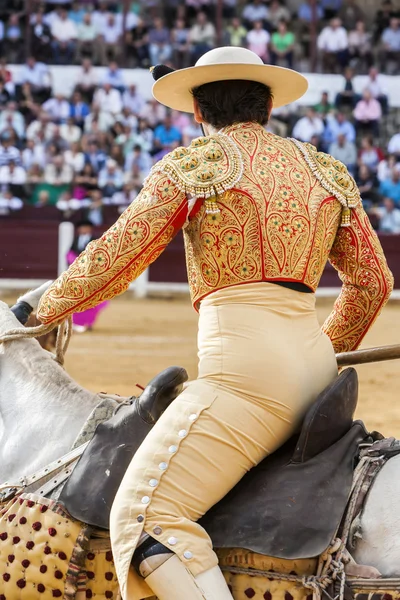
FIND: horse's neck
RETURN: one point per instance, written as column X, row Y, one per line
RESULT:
column 42, row 409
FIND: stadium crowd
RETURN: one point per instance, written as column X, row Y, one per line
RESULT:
column 95, row 147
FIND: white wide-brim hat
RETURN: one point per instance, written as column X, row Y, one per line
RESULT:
column 223, row 64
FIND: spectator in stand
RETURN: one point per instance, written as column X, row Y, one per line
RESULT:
column 13, row 178
column 111, row 179
column 166, row 136
column 376, row 86
column 133, row 99
column 98, row 122
column 100, row 15
column 85, row 181
column 394, row 145
column 8, row 152
column 70, row 132
column 386, row 167
column 143, row 137
column 348, row 96
column 390, row 188
column 305, row 12
column 180, row 44
column 57, row 108
column 34, row 177
column 382, row 18
column 77, row 13
column 78, row 109
column 277, row 12
column 335, row 126
column 87, row 39
column 308, row 126
column 368, row 186
column 26, row 103
column 202, row 36
column 345, row 151
column 137, row 41
column 367, row 114
column 138, row 161
column 370, row 155
column 38, row 76
column 360, row 45
column 114, row 77
column 388, row 215
column 391, row 45
column 334, row 45
column 255, row 11
column 108, row 99
column 4, row 95
column 57, row 173
column 86, row 80
column 282, row 45
column 154, row 113
column 159, row 43
column 350, row 14
column 13, row 39
column 74, row 157
column 42, row 123
column 324, row 107
column 64, row 34
column 11, row 117
column 110, row 38
column 33, row 153
column 95, row 157
column 41, row 38
column 258, row 40
column 235, row 33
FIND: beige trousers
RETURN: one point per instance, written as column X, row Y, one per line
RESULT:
column 262, row 361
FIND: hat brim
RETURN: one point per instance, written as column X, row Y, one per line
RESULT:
column 174, row 90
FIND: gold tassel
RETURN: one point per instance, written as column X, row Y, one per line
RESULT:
column 211, row 206
column 346, row 217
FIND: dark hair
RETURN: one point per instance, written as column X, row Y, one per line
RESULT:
column 236, row 101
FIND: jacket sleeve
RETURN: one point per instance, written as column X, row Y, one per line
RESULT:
column 358, row 257
column 108, row 265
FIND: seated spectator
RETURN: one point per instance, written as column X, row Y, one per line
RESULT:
column 166, row 136
column 133, row 99
column 41, row 38
column 110, row 38
column 376, row 86
column 391, row 45
column 8, row 152
column 70, row 132
column 78, row 109
column 235, row 33
column 42, row 198
column 369, row 154
column 277, row 12
column 33, row 154
column 38, row 76
column 41, row 123
column 333, row 43
column 58, row 173
column 74, row 157
column 324, row 106
column 57, row 108
column 86, row 80
column 13, row 177
column 77, row 13
column 98, row 121
column 87, row 39
column 84, row 182
column 100, row 15
column 367, row 113
column 282, row 46
column 335, row 126
column 305, row 12
column 94, row 213
column 26, row 103
column 143, row 137
column 13, row 39
column 255, row 11
column 368, row 186
column 138, row 161
column 382, row 18
column 153, row 112
column 202, row 36
column 258, row 40
column 390, row 188
column 64, row 34
column 34, row 177
column 386, row 167
column 9, row 202
column 308, row 126
column 180, row 44
column 58, row 141
column 394, row 145
column 160, row 48
column 95, row 157
column 345, row 151
column 360, row 45
column 388, row 215
column 348, row 96
column 114, row 77
column 11, row 117
column 351, row 14
column 108, row 99
column 111, row 178
column 137, row 41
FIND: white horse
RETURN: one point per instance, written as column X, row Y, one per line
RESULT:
column 42, row 411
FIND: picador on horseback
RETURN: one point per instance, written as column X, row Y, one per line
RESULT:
column 261, row 216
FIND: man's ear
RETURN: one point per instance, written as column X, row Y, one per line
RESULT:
column 270, row 106
column 198, row 117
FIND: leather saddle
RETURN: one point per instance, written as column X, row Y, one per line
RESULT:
column 289, row 506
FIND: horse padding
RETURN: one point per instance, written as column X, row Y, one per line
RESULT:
column 42, row 550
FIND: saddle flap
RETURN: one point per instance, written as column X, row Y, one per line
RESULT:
column 329, row 418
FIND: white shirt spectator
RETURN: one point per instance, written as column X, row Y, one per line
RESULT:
column 57, row 108
column 64, row 30
column 9, row 153
column 70, row 133
column 258, row 40
column 87, row 32
column 105, row 121
column 131, row 22
column 14, row 119
column 376, row 86
column 255, row 12
column 333, row 40
column 76, row 161
column 153, row 112
column 36, row 126
column 15, row 176
column 394, row 144
column 34, row 156
column 133, row 100
column 87, row 78
column 108, row 100
column 385, row 170
column 55, row 175
column 306, row 128
column 37, row 75
column 111, row 32
column 100, row 19
column 389, row 221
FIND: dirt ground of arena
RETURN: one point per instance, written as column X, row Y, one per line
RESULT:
column 135, row 339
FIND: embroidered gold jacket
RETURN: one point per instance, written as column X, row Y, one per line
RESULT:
column 254, row 207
